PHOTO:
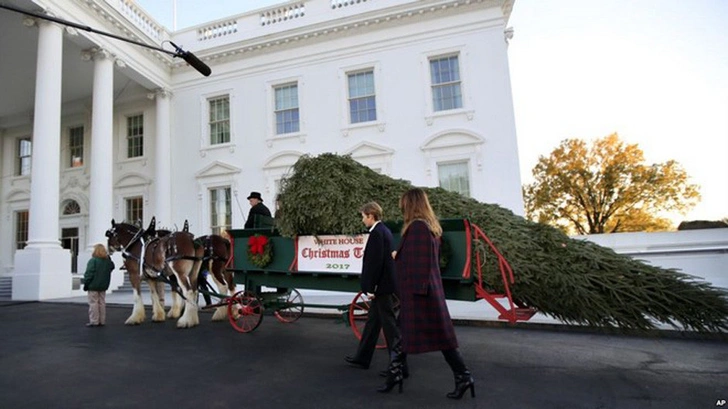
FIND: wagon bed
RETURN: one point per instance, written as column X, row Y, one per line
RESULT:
column 284, row 274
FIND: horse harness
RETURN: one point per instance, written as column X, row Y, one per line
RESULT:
column 143, row 265
column 209, row 253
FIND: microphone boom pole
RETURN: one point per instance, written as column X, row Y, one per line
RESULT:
column 190, row 58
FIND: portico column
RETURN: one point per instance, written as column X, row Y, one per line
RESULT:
column 42, row 270
column 102, row 119
column 163, row 160
column 44, row 174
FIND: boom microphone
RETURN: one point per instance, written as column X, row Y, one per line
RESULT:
column 192, row 60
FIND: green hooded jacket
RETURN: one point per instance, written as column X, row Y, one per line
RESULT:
column 98, row 274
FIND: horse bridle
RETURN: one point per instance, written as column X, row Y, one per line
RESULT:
column 125, row 253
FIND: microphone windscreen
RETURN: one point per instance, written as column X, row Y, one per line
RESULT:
column 195, row 62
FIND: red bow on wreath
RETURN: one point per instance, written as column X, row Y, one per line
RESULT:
column 257, row 244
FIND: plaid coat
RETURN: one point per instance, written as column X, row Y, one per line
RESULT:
column 424, row 319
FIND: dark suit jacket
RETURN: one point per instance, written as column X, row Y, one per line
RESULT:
column 260, row 209
column 377, row 275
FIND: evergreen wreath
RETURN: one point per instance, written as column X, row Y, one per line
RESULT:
column 260, row 250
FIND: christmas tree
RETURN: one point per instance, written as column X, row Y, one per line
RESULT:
column 573, row 280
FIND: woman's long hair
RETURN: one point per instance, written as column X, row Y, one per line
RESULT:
column 415, row 206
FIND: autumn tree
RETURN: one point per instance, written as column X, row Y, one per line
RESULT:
column 606, row 188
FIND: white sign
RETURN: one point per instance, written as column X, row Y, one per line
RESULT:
column 331, row 254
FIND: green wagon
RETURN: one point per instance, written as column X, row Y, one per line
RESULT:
column 272, row 268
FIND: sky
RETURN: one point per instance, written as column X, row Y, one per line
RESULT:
column 654, row 71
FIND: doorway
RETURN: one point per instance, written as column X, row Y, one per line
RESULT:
column 69, row 240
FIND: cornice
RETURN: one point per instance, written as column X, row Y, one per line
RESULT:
column 353, row 24
column 104, row 16
column 127, row 29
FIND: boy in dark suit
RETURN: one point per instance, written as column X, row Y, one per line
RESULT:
column 377, row 281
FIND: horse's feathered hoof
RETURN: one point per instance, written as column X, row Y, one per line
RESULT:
column 220, row 314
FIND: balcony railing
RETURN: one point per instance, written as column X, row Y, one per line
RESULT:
column 140, row 19
column 219, row 29
column 343, row 3
column 280, row 14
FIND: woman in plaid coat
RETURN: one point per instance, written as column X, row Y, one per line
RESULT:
column 424, row 319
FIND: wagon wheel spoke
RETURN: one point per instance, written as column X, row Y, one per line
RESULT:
column 245, row 311
column 358, row 314
column 291, row 307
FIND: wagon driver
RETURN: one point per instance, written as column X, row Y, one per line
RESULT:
column 256, row 207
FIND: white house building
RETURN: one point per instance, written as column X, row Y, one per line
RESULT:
column 93, row 128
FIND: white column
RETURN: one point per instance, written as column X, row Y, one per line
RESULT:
column 102, row 119
column 43, row 269
column 44, row 175
column 163, row 161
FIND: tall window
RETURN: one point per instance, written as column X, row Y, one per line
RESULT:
column 75, row 146
column 219, row 120
column 21, row 229
column 134, row 209
column 455, row 177
column 287, row 120
column 445, row 78
column 24, row 151
column 362, row 99
column 135, row 136
column 220, row 210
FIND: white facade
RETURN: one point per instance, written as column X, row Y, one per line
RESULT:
column 312, row 44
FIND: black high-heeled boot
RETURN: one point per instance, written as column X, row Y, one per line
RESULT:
column 463, row 382
column 395, row 378
column 395, row 375
column 405, row 368
column 405, row 371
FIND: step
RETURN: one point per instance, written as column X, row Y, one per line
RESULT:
column 522, row 314
column 6, row 287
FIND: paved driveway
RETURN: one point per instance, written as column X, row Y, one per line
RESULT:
column 48, row 359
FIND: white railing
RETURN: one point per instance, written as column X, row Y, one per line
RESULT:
column 281, row 14
column 218, row 29
column 141, row 19
column 344, row 3
column 288, row 15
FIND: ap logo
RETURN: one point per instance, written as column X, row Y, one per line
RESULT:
column 720, row 402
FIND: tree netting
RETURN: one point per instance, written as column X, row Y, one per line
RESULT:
column 573, row 280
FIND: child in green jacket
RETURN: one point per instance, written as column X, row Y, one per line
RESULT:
column 96, row 282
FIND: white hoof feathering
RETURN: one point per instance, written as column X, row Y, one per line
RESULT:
column 189, row 318
column 158, row 314
column 220, row 314
column 137, row 313
column 176, row 310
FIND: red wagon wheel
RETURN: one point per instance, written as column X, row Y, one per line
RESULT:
column 245, row 311
column 358, row 314
column 291, row 306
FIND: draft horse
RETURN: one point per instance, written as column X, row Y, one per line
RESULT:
column 215, row 259
column 173, row 258
column 216, row 256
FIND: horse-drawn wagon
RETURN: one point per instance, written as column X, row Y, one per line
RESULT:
column 271, row 268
